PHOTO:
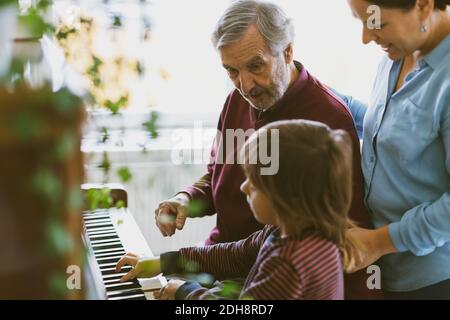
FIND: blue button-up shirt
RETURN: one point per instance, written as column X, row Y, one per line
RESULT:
column 406, row 165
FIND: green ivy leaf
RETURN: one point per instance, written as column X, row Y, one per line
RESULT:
column 120, row 204
column 99, row 198
column 26, row 125
column 64, row 33
column 150, row 125
column 105, row 165
column 124, row 174
column 115, row 106
column 105, row 134
column 58, row 285
column 64, row 146
column 45, row 183
column 59, row 239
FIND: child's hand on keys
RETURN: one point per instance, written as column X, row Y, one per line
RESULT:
column 168, row 291
column 143, row 267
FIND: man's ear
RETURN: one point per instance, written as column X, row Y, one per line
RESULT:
column 289, row 53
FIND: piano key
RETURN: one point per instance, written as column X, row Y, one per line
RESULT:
column 97, row 216
column 105, row 241
column 113, row 270
column 109, row 259
column 97, row 221
column 109, row 254
column 112, row 245
column 124, row 292
column 104, row 236
column 122, row 286
column 100, row 231
column 108, row 264
column 99, row 225
column 132, row 297
column 114, row 276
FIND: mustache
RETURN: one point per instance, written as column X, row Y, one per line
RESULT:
column 257, row 90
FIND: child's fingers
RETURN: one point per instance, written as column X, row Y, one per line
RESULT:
column 130, row 275
column 126, row 260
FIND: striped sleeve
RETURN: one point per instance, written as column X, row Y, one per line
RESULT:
column 321, row 271
column 276, row 279
column 225, row 260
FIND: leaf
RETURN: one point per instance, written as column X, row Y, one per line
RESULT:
column 115, row 106
column 105, row 135
column 99, row 198
column 105, row 165
column 120, row 204
column 45, row 183
column 64, row 146
column 58, row 285
column 117, row 21
column 150, row 125
column 59, row 239
column 124, row 174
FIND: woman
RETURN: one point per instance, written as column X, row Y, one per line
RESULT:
column 406, row 148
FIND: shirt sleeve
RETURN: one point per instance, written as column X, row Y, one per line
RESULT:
column 225, row 260
column 426, row 227
column 357, row 109
column 275, row 280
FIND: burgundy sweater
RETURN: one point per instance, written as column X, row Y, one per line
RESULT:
column 219, row 189
column 275, row 268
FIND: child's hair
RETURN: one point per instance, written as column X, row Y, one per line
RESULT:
column 312, row 190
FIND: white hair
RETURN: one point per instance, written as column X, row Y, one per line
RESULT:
column 270, row 20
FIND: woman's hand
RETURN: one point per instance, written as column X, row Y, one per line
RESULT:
column 143, row 267
column 371, row 245
column 168, row 291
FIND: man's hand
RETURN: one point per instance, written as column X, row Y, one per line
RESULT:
column 371, row 246
column 168, row 291
column 171, row 214
column 142, row 267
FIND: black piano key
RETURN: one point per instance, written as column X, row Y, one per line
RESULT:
column 114, row 259
column 122, row 286
column 95, row 242
column 140, row 296
column 112, row 245
column 115, row 276
column 100, row 231
column 107, row 271
column 109, row 253
column 104, row 236
column 97, row 221
column 99, row 225
column 123, row 293
column 104, row 265
column 97, row 216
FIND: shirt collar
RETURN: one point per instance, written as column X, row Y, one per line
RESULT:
column 438, row 55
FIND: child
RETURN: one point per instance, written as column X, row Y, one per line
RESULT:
column 300, row 251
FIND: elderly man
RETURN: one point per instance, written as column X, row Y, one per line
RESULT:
column 254, row 40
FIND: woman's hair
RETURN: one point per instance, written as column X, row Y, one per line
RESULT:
column 408, row 4
column 312, row 190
